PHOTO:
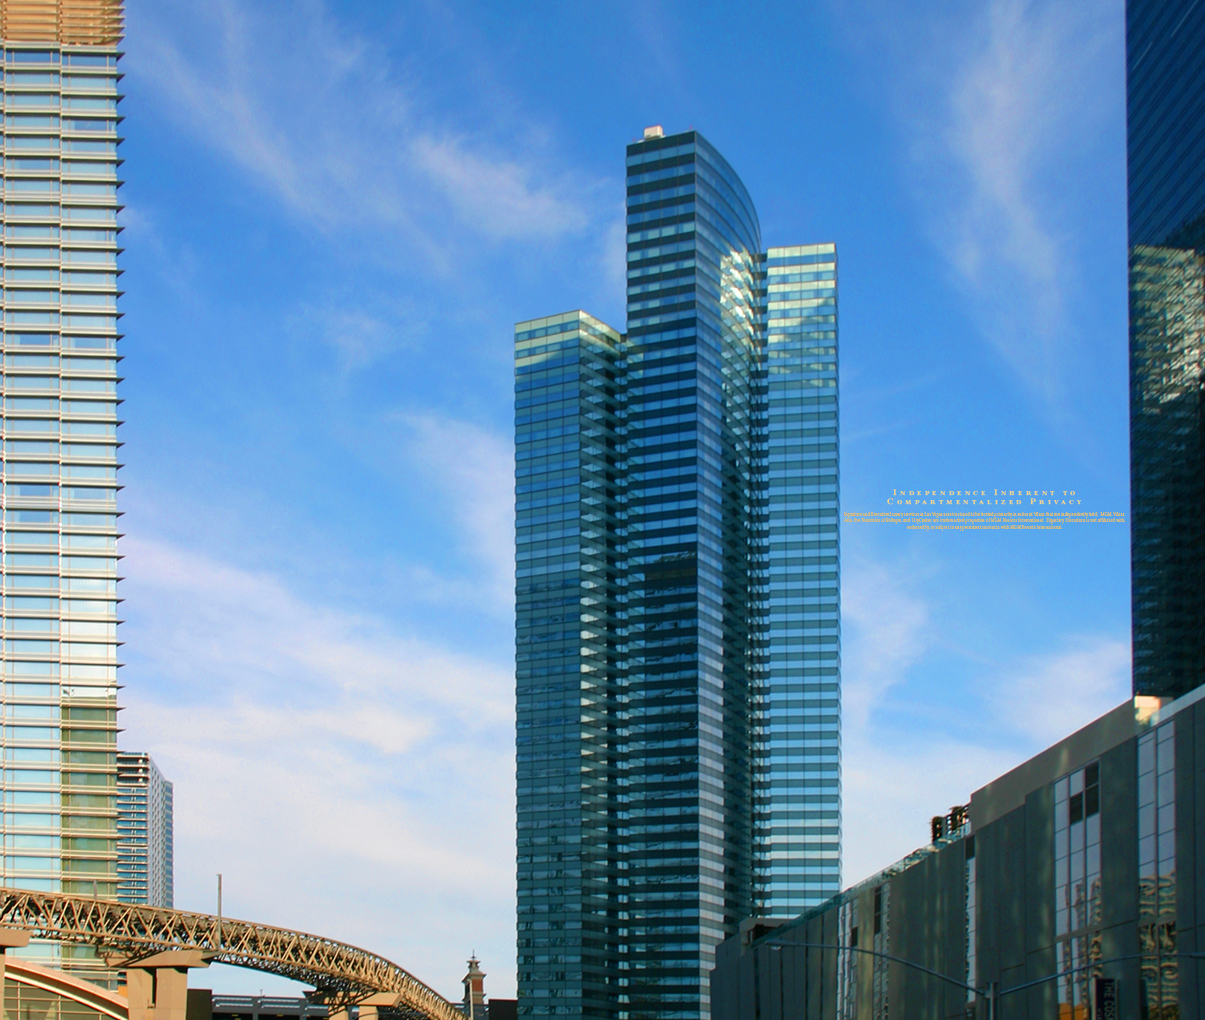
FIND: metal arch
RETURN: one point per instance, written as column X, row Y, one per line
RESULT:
column 342, row 973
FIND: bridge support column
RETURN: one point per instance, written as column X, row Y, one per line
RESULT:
column 157, row 986
column 10, row 938
column 368, row 1007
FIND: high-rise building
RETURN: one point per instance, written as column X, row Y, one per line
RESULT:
column 677, row 636
column 1165, row 112
column 60, row 416
column 145, row 832
column 798, row 752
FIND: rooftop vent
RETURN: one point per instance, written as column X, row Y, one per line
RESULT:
column 653, row 132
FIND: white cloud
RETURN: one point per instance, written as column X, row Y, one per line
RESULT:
column 898, row 774
column 1046, row 697
column 891, row 791
column 313, row 112
column 884, row 631
column 497, row 196
column 895, row 779
column 1009, row 108
column 1003, row 104
column 344, row 778
column 475, row 470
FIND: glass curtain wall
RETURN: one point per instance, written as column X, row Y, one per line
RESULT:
column 692, row 359
column 1165, row 79
column 1159, row 971
column 60, row 420
column 798, row 764
column 569, row 680
column 678, row 645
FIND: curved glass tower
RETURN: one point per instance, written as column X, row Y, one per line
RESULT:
column 673, row 778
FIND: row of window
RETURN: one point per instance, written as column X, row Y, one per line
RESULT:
column 52, row 426
column 38, row 232
column 24, row 61
column 52, row 692
column 90, row 81
column 35, row 518
column 20, row 561
column 23, row 363
column 39, row 277
column 69, row 607
column 69, row 628
column 46, row 144
column 38, row 199
column 52, row 122
column 52, row 405
column 52, row 448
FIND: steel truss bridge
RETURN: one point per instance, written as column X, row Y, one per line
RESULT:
column 341, row 974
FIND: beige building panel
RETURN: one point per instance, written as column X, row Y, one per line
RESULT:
column 65, row 22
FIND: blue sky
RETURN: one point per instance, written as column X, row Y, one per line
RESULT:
column 335, row 213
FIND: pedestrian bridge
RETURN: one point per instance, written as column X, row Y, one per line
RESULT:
column 341, row 974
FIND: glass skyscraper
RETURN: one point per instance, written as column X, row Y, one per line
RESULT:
column 1165, row 110
column 60, row 416
column 677, row 637
column 145, row 832
column 798, row 745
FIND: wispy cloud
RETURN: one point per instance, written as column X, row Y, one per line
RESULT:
column 473, row 469
column 885, row 632
column 1015, row 111
column 312, row 111
column 1045, row 697
column 360, row 336
column 1003, row 105
column 895, row 777
column 341, row 775
column 890, row 792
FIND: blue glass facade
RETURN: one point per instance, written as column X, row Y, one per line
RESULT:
column 693, row 353
column 651, row 508
column 798, row 776
column 1165, row 85
column 568, row 644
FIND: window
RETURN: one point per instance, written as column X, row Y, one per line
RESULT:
column 1077, row 883
column 1157, row 869
column 31, row 447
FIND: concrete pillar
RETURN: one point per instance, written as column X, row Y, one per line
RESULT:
column 157, row 986
column 10, row 938
column 368, row 1007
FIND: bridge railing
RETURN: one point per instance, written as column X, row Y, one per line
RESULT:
column 342, row 973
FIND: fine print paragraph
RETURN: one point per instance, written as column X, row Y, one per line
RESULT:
column 985, row 510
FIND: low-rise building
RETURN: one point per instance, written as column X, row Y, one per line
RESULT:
column 1072, row 878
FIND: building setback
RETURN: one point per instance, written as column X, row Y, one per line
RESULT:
column 145, row 832
column 1084, row 862
column 60, row 416
column 677, row 585
column 1165, row 130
